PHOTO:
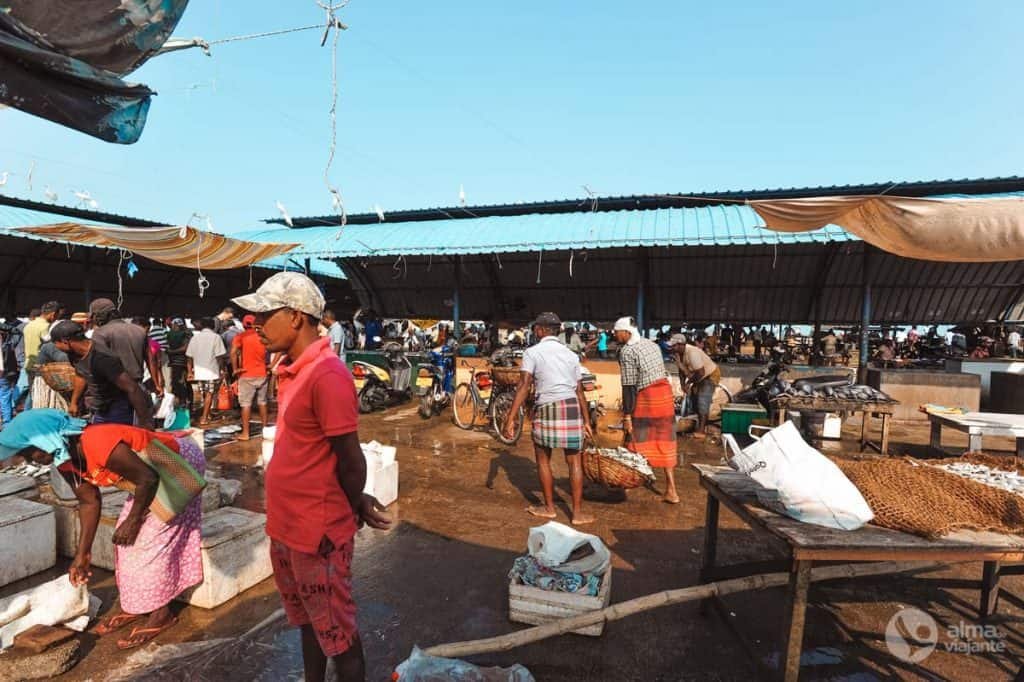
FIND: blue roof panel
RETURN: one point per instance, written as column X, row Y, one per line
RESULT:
column 718, row 225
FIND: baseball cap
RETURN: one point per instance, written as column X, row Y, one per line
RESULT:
column 66, row 330
column 178, row 321
column 547, row 320
column 285, row 290
column 678, row 339
column 101, row 305
column 248, row 320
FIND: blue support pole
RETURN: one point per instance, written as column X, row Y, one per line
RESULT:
column 641, row 289
column 457, row 301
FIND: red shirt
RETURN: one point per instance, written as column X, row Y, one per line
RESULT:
column 305, row 502
column 99, row 440
column 254, row 354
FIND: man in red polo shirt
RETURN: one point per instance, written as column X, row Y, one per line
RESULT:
column 314, row 483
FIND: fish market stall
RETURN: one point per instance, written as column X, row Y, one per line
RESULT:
column 803, row 544
column 837, row 398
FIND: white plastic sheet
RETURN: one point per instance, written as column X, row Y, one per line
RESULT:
column 552, row 543
column 51, row 603
column 801, row 482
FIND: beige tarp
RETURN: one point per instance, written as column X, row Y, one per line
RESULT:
column 957, row 230
column 183, row 247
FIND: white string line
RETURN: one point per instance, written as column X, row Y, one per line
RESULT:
column 334, row 23
column 266, row 34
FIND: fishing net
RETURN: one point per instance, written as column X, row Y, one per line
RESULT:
column 930, row 502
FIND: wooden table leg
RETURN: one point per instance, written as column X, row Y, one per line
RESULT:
column 886, row 418
column 780, row 416
column 793, row 627
column 935, row 442
column 1020, row 447
column 974, row 442
column 989, row 589
column 864, row 424
column 707, row 559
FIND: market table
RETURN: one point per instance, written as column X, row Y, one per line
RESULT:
column 804, row 544
column 976, row 425
column 867, row 409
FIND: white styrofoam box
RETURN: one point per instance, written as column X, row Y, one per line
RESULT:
column 61, row 488
column 267, row 447
column 382, row 483
column 28, row 536
column 17, row 485
column 833, row 426
column 236, row 556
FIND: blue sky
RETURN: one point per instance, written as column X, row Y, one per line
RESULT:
column 530, row 101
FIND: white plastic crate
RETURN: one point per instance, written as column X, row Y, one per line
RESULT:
column 236, row 556
column 28, row 536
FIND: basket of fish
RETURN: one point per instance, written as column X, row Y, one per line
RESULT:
column 617, row 468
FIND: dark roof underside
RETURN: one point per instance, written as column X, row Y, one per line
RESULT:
column 744, row 284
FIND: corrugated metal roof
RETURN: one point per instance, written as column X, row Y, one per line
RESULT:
column 11, row 216
column 720, row 225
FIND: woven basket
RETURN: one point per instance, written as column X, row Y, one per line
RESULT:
column 610, row 472
column 59, row 376
column 506, row 376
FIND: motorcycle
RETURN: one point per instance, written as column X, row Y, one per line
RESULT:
column 384, row 386
column 436, row 383
column 590, row 393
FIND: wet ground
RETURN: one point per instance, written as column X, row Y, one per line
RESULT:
column 440, row 576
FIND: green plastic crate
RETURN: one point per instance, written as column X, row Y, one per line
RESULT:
column 736, row 419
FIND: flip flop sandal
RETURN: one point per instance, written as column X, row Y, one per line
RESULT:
column 115, row 623
column 143, row 635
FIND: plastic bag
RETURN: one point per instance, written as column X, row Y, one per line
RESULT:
column 552, row 543
column 49, row 604
column 801, row 482
column 422, row 668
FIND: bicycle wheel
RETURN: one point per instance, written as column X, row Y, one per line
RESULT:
column 499, row 411
column 464, row 408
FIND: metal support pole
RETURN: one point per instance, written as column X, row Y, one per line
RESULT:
column 457, row 301
column 306, row 267
column 87, row 285
column 641, row 289
column 816, row 341
column 865, row 317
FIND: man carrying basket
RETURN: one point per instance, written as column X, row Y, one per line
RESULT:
column 559, row 418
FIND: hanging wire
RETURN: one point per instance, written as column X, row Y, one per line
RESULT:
column 540, row 261
column 124, row 255
column 497, row 257
column 334, row 23
column 572, row 255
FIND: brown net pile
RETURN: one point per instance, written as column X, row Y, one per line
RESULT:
column 930, row 502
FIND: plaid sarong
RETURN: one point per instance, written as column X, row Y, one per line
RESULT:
column 558, row 425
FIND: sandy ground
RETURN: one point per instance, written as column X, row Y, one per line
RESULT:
column 440, row 576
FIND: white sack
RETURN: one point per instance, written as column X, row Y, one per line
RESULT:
column 552, row 543
column 801, row 482
column 49, row 604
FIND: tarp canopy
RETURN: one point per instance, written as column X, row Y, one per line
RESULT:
column 961, row 230
column 184, row 246
column 64, row 61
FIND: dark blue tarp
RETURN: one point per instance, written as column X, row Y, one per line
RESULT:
column 64, row 61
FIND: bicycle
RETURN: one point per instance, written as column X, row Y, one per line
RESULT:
column 469, row 404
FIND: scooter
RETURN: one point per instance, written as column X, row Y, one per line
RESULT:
column 384, row 387
column 590, row 393
column 436, row 383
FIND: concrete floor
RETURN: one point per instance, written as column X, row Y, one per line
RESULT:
column 440, row 576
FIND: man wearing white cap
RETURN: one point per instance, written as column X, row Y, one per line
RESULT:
column 314, row 484
column 697, row 371
column 558, row 419
column 648, row 405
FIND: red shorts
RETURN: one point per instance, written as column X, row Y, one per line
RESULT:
column 316, row 590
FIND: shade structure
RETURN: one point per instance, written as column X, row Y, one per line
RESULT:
column 964, row 230
column 64, row 61
column 183, row 246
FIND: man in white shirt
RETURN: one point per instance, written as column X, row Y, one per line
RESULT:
column 559, row 419
column 336, row 333
column 206, row 354
column 1013, row 343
